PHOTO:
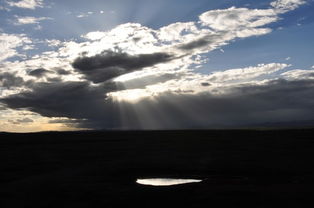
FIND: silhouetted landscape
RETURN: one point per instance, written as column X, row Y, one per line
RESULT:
column 239, row 168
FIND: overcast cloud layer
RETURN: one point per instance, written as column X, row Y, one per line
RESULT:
column 136, row 77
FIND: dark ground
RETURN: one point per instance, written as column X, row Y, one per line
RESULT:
column 240, row 168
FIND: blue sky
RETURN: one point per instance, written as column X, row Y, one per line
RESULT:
column 274, row 38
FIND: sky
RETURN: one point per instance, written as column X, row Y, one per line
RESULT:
column 155, row 64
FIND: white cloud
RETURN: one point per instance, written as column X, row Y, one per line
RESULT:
column 97, row 35
column 237, row 18
column 298, row 74
column 9, row 43
column 82, row 15
column 27, row 4
column 282, row 6
column 28, row 47
column 30, row 20
column 244, row 74
column 174, row 31
column 53, row 42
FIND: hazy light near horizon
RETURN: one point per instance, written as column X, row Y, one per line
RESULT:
column 165, row 181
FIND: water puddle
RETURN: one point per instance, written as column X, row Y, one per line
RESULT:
column 165, row 181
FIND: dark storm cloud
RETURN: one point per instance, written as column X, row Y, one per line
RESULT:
column 75, row 100
column 279, row 101
column 9, row 80
column 110, row 64
column 39, row 72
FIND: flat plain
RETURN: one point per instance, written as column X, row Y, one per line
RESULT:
column 239, row 168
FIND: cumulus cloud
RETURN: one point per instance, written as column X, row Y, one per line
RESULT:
column 9, row 43
column 27, row 4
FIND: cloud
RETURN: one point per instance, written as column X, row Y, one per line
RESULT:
column 298, row 74
column 175, row 32
column 25, row 120
column 63, row 72
column 200, row 42
column 97, row 35
column 53, row 43
column 27, row 4
column 82, row 15
column 274, row 101
column 29, row 20
column 238, row 18
column 236, row 105
column 75, row 100
column 8, row 80
column 21, row 121
column 283, row 6
column 9, row 43
column 110, row 64
column 248, row 73
column 39, row 72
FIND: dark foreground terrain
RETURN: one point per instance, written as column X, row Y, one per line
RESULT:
column 99, row 169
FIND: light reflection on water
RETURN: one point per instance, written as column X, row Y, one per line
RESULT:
column 165, row 181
